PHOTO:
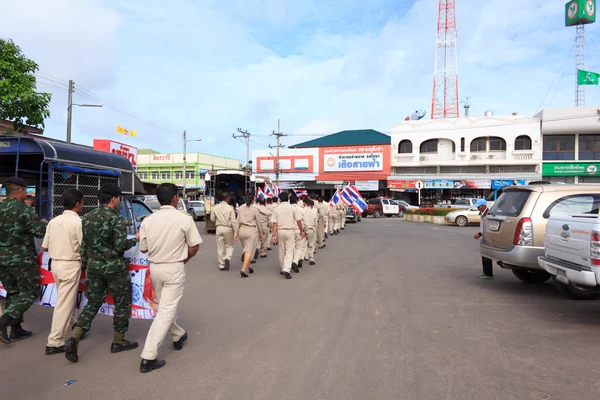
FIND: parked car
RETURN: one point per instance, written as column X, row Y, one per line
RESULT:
column 352, row 215
column 406, row 205
column 196, row 209
column 572, row 253
column 401, row 209
column 464, row 217
column 513, row 234
column 153, row 203
column 459, row 203
column 379, row 207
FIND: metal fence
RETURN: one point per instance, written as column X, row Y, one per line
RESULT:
column 87, row 184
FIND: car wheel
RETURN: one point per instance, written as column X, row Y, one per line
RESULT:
column 401, row 214
column 575, row 292
column 377, row 214
column 461, row 220
column 532, row 276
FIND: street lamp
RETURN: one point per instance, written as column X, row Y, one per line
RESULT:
column 185, row 141
column 69, row 112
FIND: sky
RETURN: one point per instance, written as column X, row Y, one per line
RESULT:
column 212, row 66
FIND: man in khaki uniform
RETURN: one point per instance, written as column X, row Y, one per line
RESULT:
column 333, row 217
column 170, row 238
column 223, row 215
column 322, row 221
column 311, row 224
column 270, row 206
column 265, row 218
column 299, row 237
column 286, row 217
column 62, row 241
column 343, row 211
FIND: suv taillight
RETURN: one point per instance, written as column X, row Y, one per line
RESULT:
column 595, row 248
column 524, row 233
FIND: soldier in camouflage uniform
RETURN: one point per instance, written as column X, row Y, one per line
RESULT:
column 104, row 244
column 19, row 271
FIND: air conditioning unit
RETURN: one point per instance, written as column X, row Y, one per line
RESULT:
column 491, row 156
column 474, row 157
column 423, row 158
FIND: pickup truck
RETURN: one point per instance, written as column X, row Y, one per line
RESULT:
column 572, row 254
column 459, row 203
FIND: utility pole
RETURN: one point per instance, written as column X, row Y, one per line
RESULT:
column 184, row 159
column 246, row 136
column 69, row 110
column 278, row 135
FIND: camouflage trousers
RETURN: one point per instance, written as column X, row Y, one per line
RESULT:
column 97, row 286
column 22, row 285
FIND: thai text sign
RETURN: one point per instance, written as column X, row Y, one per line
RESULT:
column 122, row 149
column 353, row 162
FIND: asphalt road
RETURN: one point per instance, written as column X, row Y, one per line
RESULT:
column 392, row 310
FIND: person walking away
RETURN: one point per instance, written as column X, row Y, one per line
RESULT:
column 248, row 225
column 265, row 218
column 332, row 219
column 63, row 239
column 340, row 214
column 223, row 215
column 299, row 237
column 19, row 271
column 322, row 212
column 343, row 212
column 488, row 265
column 171, row 239
column 311, row 218
column 270, row 206
column 103, row 250
column 286, row 217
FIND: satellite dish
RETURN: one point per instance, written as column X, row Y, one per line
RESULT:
column 417, row 115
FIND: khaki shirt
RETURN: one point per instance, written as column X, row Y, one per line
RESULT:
column 265, row 215
column 311, row 216
column 332, row 209
column 64, row 236
column 286, row 216
column 271, row 206
column 248, row 216
column 167, row 235
column 224, row 215
column 299, row 206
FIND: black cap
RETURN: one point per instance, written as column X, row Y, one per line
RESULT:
column 15, row 180
column 112, row 189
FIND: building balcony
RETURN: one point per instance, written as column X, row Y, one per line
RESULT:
column 522, row 154
column 475, row 158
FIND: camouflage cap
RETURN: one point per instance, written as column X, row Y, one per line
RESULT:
column 111, row 189
column 15, row 180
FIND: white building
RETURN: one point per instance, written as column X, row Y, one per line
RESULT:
column 465, row 156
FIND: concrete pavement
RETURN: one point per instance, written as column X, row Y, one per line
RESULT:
column 392, row 310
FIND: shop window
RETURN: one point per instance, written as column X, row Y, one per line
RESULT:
column 405, row 147
column 485, row 144
column 559, row 147
column 589, row 147
column 479, row 145
column 523, row 143
column 462, row 144
column 429, row 146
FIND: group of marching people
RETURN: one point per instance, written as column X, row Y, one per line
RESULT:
column 299, row 226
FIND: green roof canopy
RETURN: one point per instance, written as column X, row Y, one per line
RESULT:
column 347, row 138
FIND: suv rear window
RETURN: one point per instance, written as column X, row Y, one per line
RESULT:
column 573, row 205
column 510, row 204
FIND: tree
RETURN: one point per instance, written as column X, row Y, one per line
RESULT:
column 19, row 100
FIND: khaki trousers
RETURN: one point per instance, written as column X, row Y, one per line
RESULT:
column 320, row 232
column 311, row 241
column 264, row 233
column 332, row 223
column 286, row 241
column 66, row 278
column 225, row 244
column 343, row 219
column 168, row 280
column 299, row 247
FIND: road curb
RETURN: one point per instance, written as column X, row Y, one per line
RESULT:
column 425, row 219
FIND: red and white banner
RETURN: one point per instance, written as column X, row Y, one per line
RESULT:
column 125, row 150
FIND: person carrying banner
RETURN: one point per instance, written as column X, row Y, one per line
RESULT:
column 64, row 235
column 19, row 272
column 171, row 239
column 248, row 225
column 265, row 218
column 103, row 250
column 223, row 215
column 286, row 218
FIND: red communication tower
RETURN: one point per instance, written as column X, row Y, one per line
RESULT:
column 444, row 103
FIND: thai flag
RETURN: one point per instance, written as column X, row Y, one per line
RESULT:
column 346, row 197
column 260, row 194
column 267, row 192
column 336, row 198
column 358, row 199
column 301, row 192
column 276, row 190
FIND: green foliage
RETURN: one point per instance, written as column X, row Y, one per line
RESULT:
column 431, row 211
column 19, row 100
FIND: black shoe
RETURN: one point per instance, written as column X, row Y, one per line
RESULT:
column 50, row 351
column 326, row 236
column 255, row 254
column 4, row 321
column 295, row 268
column 118, row 347
column 179, row 344
column 322, row 246
column 253, row 261
column 300, row 263
column 269, row 249
column 222, row 269
column 71, row 350
column 312, row 263
column 280, row 272
column 263, row 256
column 226, row 265
column 306, row 259
column 151, row 365
column 343, row 228
column 18, row 333
column 287, row 275
column 243, row 274
column 250, row 270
